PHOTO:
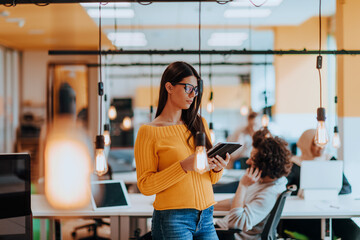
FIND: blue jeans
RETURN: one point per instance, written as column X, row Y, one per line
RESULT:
column 183, row 224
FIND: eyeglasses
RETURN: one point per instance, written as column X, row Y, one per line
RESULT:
column 189, row 88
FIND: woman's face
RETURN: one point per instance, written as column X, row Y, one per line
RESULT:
column 316, row 150
column 179, row 95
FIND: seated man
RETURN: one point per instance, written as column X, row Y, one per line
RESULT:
column 311, row 152
column 258, row 189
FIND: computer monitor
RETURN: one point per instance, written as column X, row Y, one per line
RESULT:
column 321, row 178
column 15, row 195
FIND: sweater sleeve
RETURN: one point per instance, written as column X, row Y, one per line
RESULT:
column 252, row 213
column 149, row 180
column 214, row 176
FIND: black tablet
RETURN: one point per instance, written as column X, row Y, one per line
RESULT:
column 222, row 148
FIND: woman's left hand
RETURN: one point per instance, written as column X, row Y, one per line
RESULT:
column 217, row 163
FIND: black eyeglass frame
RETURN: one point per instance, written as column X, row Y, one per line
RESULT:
column 194, row 89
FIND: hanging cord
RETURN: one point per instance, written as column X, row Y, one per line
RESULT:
column 257, row 5
column 100, row 84
column 250, row 32
column 211, row 88
column 319, row 58
column 115, row 26
column 151, row 87
column 265, row 92
column 200, row 57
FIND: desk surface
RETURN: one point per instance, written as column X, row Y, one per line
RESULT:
column 229, row 175
column 141, row 205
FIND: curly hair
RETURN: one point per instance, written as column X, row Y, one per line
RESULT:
column 259, row 136
column 272, row 157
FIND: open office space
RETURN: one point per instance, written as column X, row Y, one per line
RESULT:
column 286, row 65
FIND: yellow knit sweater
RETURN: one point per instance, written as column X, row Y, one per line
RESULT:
column 158, row 152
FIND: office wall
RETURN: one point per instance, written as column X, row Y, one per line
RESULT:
column 348, row 85
column 35, row 77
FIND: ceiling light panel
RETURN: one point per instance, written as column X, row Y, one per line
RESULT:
column 247, row 3
column 227, row 39
column 247, row 13
column 111, row 13
column 128, row 39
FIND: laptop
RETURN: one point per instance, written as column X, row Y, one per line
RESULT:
column 109, row 194
column 15, row 201
column 321, row 180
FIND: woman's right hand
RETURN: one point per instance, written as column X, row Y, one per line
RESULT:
column 250, row 177
column 188, row 163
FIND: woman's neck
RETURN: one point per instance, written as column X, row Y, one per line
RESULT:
column 170, row 114
column 267, row 179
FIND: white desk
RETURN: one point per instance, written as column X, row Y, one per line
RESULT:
column 141, row 206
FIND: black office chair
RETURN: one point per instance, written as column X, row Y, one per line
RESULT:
column 98, row 221
column 269, row 232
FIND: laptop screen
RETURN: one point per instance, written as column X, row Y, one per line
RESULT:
column 15, row 207
column 109, row 194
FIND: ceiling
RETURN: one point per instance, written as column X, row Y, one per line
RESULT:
column 162, row 25
column 157, row 26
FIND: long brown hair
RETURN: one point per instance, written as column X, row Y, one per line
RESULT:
column 175, row 73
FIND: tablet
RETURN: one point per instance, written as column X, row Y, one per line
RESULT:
column 222, row 148
column 109, row 194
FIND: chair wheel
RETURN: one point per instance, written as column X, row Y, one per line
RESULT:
column 73, row 234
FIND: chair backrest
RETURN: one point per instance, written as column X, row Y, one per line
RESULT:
column 269, row 232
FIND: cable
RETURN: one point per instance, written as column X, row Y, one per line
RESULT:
column 319, row 58
column 200, row 38
column 259, row 4
column 320, row 89
column 200, row 82
column 151, row 87
column 265, row 92
column 100, row 83
column 320, row 27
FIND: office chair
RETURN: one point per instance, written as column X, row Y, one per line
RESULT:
column 269, row 232
column 98, row 221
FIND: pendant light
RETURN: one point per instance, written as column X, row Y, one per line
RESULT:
column 211, row 125
column 112, row 113
column 265, row 118
column 321, row 136
column 101, row 166
column 67, row 157
column 126, row 123
column 336, row 142
column 244, row 110
column 201, row 161
column 107, row 138
column 151, row 88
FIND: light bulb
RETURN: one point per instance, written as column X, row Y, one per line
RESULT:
column 212, row 133
column 67, row 156
column 107, row 138
column 321, row 136
column 112, row 113
column 265, row 120
column 244, row 110
column 201, row 160
column 127, row 123
column 212, row 136
column 210, row 107
column 336, row 138
column 101, row 166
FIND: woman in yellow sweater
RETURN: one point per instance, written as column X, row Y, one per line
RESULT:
column 164, row 154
